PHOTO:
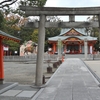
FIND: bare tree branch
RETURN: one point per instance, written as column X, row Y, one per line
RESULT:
column 5, row 1
column 10, row 2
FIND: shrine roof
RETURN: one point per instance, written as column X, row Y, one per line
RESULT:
column 89, row 38
column 80, row 30
column 8, row 36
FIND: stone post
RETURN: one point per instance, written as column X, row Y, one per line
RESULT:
column 71, row 18
column 85, row 48
column 59, row 48
column 40, row 53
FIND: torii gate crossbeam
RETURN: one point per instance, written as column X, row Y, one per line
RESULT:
column 63, row 24
column 51, row 11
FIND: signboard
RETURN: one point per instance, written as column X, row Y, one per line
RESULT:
column 5, row 48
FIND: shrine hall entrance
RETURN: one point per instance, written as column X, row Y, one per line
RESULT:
column 73, row 48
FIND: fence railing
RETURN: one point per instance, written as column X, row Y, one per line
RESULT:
column 94, row 56
column 32, row 57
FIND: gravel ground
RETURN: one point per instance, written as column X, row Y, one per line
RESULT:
column 95, row 66
column 23, row 73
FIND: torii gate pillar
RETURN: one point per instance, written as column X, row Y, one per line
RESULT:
column 40, row 54
column 1, row 63
column 99, row 27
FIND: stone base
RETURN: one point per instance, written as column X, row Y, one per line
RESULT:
column 1, row 81
column 38, row 87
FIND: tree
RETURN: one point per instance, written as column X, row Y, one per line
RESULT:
column 1, row 20
column 34, row 36
column 95, row 32
column 12, row 20
column 35, row 3
column 38, row 3
column 26, row 34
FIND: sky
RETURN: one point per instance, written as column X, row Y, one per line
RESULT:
column 73, row 3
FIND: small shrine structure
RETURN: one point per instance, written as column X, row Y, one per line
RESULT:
column 4, row 36
column 73, row 41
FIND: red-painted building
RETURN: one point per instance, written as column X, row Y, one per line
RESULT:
column 72, row 41
column 5, row 36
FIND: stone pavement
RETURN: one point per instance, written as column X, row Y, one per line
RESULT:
column 17, row 92
column 71, row 81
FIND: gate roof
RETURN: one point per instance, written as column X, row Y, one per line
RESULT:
column 6, row 36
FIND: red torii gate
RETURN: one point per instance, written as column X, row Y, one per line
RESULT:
column 5, row 36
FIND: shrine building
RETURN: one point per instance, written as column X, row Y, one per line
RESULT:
column 72, row 40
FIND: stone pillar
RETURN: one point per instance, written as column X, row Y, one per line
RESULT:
column 71, row 18
column 59, row 48
column 1, row 63
column 85, row 47
column 40, row 53
column 99, row 28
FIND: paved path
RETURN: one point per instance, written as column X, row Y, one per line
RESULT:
column 72, row 81
column 19, row 92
